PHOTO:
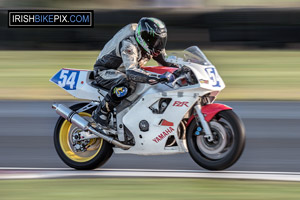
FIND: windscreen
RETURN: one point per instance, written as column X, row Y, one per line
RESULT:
column 193, row 54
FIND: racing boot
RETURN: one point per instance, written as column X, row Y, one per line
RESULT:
column 102, row 114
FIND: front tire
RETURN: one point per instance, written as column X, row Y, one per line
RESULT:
column 229, row 141
column 98, row 152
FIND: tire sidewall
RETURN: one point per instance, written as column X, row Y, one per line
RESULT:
column 232, row 156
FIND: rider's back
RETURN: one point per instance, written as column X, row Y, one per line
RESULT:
column 114, row 43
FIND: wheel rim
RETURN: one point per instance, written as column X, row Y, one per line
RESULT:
column 66, row 133
column 222, row 144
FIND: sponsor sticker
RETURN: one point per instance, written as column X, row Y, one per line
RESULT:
column 163, row 135
column 181, row 103
column 120, row 91
column 204, row 81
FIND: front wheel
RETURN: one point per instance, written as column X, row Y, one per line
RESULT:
column 83, row 155
column 226, row 148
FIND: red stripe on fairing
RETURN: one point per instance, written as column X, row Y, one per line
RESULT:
column 160, row 69
column 209, row 111
column 166, row 123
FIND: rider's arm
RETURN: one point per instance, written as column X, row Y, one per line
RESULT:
column 161, row 59
column 129, row 53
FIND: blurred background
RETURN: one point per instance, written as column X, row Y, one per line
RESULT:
column 207, row 23
column 255, row 45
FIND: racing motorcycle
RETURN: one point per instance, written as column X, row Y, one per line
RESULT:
column 165, row 118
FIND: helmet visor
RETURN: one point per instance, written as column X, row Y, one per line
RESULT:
column 157, row 43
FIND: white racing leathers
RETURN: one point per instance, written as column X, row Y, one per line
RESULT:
column 120, row 60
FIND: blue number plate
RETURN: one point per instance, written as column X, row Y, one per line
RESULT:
column 66, row 79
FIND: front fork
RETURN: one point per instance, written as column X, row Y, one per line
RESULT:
column 204, row 123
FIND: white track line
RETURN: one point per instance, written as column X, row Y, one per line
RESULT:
column 35, row 173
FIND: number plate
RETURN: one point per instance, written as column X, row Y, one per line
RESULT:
column 66, row 79
column 213, row 76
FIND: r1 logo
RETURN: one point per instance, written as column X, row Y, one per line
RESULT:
column 181, row 103
column 66, row 79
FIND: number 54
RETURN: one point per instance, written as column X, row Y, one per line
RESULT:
column 66, row 79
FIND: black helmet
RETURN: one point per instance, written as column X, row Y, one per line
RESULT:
column 151, row 34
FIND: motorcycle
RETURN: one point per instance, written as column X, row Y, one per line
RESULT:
column 165, row 118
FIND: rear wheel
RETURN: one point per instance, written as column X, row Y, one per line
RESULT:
column 86, row 154
column 226, row 148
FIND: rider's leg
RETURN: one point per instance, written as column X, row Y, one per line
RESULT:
column 111, row 100
column 119, row 89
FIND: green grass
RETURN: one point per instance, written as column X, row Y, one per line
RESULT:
column 258, row 75
column 152, row 188
column 248, row 75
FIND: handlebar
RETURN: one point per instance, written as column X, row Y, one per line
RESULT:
column 177, row 79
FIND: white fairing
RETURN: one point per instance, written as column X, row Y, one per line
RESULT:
column 77, row 83
column 182, row 99
column 154, row 141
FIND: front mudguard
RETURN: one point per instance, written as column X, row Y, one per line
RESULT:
column 209, row 111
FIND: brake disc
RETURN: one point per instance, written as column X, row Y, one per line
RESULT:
column 215, row 148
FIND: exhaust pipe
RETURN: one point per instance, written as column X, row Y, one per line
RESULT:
column 80, row 122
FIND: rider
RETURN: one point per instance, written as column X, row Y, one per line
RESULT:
column 117, row 67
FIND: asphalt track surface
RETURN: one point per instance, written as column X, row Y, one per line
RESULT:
column 272, row 144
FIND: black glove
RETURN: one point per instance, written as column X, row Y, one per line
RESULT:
column 174, row 65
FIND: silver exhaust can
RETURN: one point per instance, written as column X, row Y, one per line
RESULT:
column 83, row 124
column 71, row 116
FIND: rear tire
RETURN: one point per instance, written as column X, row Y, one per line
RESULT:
column 100, row 150
column 229, row 134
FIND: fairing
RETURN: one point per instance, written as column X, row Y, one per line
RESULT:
column 209, row 111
